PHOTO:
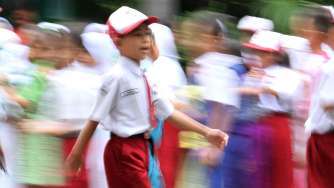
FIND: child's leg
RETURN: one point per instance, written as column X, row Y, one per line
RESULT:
column 126, row 162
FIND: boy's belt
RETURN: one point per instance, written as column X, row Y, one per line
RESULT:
column 285, row 114
column 141, row 135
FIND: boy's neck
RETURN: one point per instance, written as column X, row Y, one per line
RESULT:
column 136, row 61
column 316, row 46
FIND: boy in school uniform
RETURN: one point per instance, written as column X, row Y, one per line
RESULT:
column 127, row 104
column 319, row 125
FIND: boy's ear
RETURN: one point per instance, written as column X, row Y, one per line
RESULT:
column 117, row 41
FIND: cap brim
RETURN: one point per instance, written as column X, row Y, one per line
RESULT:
column 148, row 21
column 247, row 30
column 260, row 48
column 152, row 19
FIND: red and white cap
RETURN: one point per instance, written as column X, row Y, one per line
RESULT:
column 267, row 41
column 253, row 24
column 126, row 19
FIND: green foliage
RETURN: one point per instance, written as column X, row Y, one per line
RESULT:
column 112, row 5
column 217, row 6
column 280, row 10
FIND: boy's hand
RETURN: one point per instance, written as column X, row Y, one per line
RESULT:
column 217, row 138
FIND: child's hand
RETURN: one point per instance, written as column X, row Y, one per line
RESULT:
column 267, row 90
column 328, row 108
column 210, row 156
column 73, row 164
column 3, row 80
column 217, row 138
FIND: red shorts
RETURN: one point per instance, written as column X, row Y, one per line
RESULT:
column 126, row 162
column 320, row 159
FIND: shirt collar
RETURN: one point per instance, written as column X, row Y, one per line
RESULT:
column 131, row 65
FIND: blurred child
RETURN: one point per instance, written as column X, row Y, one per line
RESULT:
column 206, row 42
column 268, row 120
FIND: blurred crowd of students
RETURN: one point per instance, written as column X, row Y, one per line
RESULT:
column 261, row 90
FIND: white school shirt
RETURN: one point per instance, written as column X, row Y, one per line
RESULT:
column 122, row 105
column 320, row 121
column 285, row 82
column 69, row 96
column 329, row 51
column 217, row 78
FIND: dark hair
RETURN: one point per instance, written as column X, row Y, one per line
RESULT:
column 321, row 17
column 215, row 24
column 284, row 59
column 212, row 19
column 233, row 46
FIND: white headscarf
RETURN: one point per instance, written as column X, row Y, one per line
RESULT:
column 8, row 36
column 100, row 47
column 164, row 40
column 166, row 71
column 4, row 23
column 14, row 58
column 96, row 27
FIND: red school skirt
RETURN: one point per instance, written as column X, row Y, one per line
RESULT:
column 320, row 159
column 126, row 162
column 80, row 180
column 169, row 154
column 281, row 174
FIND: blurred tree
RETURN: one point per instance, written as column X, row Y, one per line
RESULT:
column 279, row 11
column 112, row 5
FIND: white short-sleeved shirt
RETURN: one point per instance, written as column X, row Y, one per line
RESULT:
column 70, row 96
column 285, row 82
column 320, row 121
column 218, row 79
column 329, row 51
column 122, row 105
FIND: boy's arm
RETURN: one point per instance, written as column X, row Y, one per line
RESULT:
column 214, row 136
column 73, row 161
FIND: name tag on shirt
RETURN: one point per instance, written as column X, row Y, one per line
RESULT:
column 129, row 92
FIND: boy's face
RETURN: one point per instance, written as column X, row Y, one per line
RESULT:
column 330, row 39
column 137, row 44
column 312, row 33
